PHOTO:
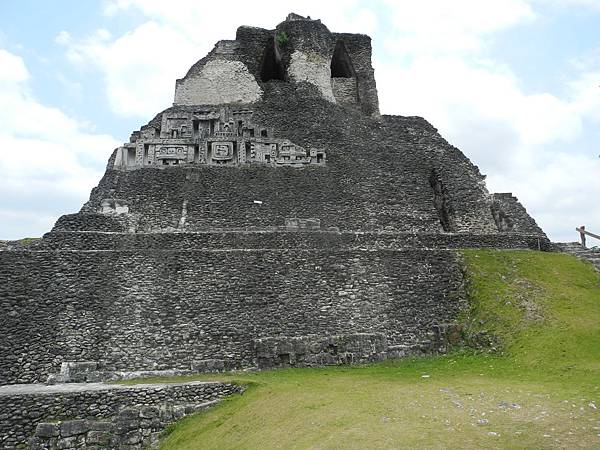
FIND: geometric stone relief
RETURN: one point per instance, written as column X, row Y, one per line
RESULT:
column 113, row 206
column 220, row 136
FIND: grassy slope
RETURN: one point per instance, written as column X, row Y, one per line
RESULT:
column 541, row 391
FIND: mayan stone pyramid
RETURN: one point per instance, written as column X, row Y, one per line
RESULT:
column 270, row 217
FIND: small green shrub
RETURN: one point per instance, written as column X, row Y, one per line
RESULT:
column 281, row 38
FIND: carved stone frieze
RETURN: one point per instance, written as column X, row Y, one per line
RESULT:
column 222, row 136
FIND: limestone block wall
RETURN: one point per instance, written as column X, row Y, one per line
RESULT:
column 359, row 50
column 312, row 68
column 100, row 417
column 157, row 309
column 218, row 81
column 344, row 90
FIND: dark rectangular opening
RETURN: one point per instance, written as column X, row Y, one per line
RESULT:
column 248, row 151
column 131, row 156
column 440, row 201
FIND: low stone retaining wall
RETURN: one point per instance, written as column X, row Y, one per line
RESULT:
column 99, row 416
column 320, row 350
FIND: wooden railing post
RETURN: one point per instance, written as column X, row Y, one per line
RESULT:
column 583, row 233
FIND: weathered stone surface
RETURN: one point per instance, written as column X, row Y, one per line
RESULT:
column 219, row 81
column 318, row 350
column 149, row 412
column 102, row 417
column 47, row 430
column 314, row 69
column 70, row 442
column 100, row 438
column 510, row 215
column 172, row 308
column 73, row 428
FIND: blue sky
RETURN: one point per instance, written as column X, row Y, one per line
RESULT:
column 515, row 84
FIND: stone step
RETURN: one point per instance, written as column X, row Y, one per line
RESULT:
column 591, row 255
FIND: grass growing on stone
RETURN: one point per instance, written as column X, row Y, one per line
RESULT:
column 540, row 390
column 20, row 242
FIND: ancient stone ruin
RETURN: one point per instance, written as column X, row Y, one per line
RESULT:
column 270, row 218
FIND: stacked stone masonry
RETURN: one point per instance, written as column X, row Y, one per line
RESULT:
column 163, row 309
column 100, row 417
column 282, row 238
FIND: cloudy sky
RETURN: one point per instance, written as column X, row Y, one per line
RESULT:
column 515, row 84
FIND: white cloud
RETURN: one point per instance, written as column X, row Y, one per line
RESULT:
column 63, row 38
column 200, row 23
column 470, row 102
column 585, row 92
column 582, row 4
column 13, row 69
column 440, row 27
column 139, row 68
column 49, row 161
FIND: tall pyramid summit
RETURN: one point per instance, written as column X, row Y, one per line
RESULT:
column 271, row 217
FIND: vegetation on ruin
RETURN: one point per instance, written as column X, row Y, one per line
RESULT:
column 539, row 389
column 19, row 243
column 281, row 38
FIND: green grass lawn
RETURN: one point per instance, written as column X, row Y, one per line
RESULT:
column 539, row 390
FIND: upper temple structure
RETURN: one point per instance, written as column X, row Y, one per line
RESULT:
column 270, row 217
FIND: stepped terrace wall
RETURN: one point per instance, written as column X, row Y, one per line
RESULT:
column 379, row 176
column 162, row 309
column 278, row 238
